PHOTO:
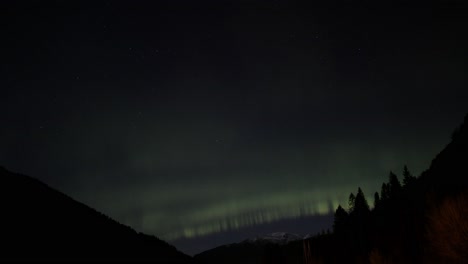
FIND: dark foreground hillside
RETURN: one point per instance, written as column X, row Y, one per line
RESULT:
column 40, row 223
column 416, row 220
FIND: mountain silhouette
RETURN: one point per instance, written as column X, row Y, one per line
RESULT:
column 448, row 172
column 40, row 223
column 242, row 253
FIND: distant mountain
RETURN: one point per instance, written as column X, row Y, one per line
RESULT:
column 245, row 252
column 279, row 238
column 40, row 223
column 261, row 249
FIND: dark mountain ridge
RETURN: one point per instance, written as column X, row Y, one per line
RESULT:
column 40, row 223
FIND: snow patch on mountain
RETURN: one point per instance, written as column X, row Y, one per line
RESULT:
column 280, row 238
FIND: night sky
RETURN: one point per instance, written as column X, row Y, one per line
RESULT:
column 194, row 120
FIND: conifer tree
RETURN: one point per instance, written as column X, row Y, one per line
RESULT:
column 351, row 202
column 341, row 217
column 395, row 185
column 384, row 193
column 376, row 199
column 408, row 178
column 360, row 205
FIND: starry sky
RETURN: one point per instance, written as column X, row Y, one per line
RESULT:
column 204, row 122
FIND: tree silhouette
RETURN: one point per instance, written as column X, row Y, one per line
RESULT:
column 376, row 199
column 408, row 178
column 341, row 218
column 360, row 204
column 351, row 202
column 384, row 193
column 395, row 185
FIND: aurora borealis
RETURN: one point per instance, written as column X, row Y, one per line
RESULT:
column 184, row 120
